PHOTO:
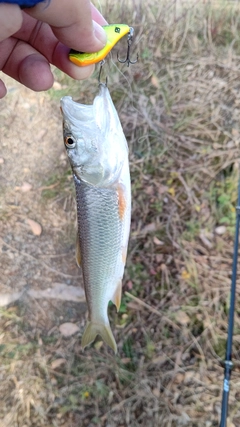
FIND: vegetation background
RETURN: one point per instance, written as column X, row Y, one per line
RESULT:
column 180, row 111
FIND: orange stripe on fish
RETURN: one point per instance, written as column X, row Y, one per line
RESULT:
column 122, row 204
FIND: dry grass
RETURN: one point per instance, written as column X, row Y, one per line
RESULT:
column 180, row 110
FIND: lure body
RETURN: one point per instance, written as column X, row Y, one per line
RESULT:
column 98, row 154
column 114, row 33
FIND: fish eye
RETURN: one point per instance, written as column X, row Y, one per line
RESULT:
column 69, row 142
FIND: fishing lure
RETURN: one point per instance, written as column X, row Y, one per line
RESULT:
column 114, row 33
column 98, row 154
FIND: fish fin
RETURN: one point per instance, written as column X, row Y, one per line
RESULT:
column 94, row 329
column 78, row 252
column 124, row 255
column 116, row 299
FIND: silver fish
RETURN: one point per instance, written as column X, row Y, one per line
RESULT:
column 98, row 154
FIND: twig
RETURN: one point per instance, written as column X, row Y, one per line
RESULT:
column 152, row 309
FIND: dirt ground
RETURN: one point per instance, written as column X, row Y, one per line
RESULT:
column 34, row 255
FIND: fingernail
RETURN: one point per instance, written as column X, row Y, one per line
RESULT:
column 81, row 73
column 99, row 33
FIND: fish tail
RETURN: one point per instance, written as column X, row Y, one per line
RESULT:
column 94, row 329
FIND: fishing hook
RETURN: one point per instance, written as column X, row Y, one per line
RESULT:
column 100, row 72
column 129, row 41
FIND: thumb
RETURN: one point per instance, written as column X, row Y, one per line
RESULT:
column 72, row 24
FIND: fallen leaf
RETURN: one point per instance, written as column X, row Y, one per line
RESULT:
column 35, row 227
column 6, row 299
column 229, row 423
column 157, row 53
column 182, row 318
column 178, row 379
column 205, row 240
column 68, row 329
column 125, row 360
column 63, row 156
column 171, row 191
column 216, row 146
column 58, row 362
column 26, row 105
column 159, row 258
column 25, row 187
column 129, row 284
column 159, row 360
column 235, row 132
column 156, row 392
column 154, row 81
column 86, row 394
column 149, row 190
column 185, row 275
column 220, row 230
column 190, row 375
column 230, row 144
column 149, row 228
column 162, row 189
column 57, row 85
column 157, row 241
column 153, row 100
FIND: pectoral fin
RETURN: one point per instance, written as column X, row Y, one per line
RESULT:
column 94, row 329
column 116, row 299
column 78, row 252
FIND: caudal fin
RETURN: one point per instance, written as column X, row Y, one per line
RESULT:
column 94, row 329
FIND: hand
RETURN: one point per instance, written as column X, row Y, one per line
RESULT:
column 32, row 39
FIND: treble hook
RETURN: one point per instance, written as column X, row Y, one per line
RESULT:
column 129, row 41
column 100, row 72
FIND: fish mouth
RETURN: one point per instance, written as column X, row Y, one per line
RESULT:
column 76, row 169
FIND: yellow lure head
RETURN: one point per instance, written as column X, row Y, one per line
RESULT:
column 114, row 33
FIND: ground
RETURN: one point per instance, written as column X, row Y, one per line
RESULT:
column 36, row 256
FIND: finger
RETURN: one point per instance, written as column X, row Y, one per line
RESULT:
column 3, row 89
column 10, row 20
column 72, row 23
column 29, row 67
column 60, row 60
column 43, row 40
column 97, row 16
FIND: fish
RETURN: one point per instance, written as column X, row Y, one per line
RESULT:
column 98, row 154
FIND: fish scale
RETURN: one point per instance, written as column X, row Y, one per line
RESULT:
column 99, row 234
